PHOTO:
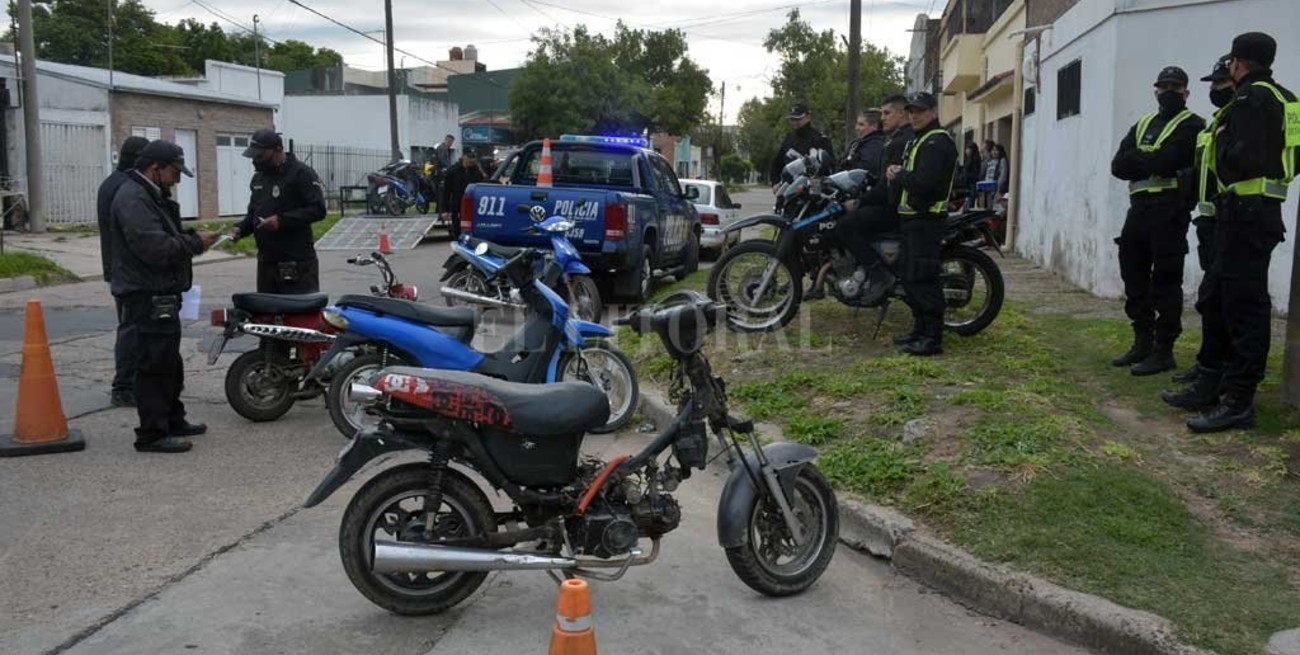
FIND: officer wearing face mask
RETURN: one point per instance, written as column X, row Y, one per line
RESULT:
column 1202, row 378
column 1153, row 241
column 287, row 197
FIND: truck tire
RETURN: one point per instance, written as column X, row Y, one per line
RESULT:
column 692, row 261
column 634, row 285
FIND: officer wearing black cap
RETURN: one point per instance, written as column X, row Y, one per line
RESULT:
column 1256, row 157
column 1203, row 378
column 925, row 178
column 802, row 138
column 123, row 350
column 287, row 197
column 151, row 269
column 1153, row 242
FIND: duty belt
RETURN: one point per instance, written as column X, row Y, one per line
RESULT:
column 1152, row 185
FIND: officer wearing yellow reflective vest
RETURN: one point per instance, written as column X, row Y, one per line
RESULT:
column 1256, row 150
column 926, row 178
column 1203, row 378
column 1153, row 242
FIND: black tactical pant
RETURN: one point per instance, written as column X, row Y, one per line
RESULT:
column 921, row 273
column 861, row 227
column 1152, row 247
column 1210, row 355
column 124, row 352
column 288, row 277
column 160, row 372
column 1238, row 311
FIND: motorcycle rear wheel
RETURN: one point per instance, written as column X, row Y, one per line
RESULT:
column 252, row 388
column 613, row 374
column 469, row 280
column 394, row 204
column 347, row 417
column 973, row 289
column 394, row 502
column 758, row 562
column 735, row 281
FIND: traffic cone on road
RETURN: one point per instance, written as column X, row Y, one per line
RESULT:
column 573, row 633
column 544, row 177
column 385, row 246
column 40, row 425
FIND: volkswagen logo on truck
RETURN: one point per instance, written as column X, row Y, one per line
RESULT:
column 537, row 213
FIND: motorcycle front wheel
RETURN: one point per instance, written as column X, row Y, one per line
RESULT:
column 394, row 204
column 611, row 371
column 762, row 293
column 393, row 506
column 257, row 386
column 770, row 561
column 584, row 298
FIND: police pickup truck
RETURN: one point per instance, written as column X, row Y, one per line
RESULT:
column 632, row 219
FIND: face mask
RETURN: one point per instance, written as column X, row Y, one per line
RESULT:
column 1221, row 97
column 1171, row 100
column 264, row 166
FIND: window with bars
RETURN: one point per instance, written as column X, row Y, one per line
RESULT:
column 1069, row 89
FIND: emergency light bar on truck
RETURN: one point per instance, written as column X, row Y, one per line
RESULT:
column 640, row 142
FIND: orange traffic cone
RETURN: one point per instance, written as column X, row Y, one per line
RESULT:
column 40, row 425
column 573, row 633
column 385, row 246
column 544, row 177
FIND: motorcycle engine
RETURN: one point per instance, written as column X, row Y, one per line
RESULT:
column 605, row 532
column 841, row 280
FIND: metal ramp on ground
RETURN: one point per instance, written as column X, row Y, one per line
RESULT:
column 361, row 233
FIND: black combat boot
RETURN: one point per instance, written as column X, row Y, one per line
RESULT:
column 1188, row 376
column 1233, row 413
column 1202, row 394
column 929, row 340
column 1140, row 350
column 1160, row 359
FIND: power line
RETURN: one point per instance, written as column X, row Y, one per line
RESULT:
column 530, row 3
column 232, row 21
column 507, row 15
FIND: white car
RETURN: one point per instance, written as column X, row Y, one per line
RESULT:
column 717, row 211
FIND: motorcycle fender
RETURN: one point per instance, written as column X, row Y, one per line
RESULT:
column 592, row 330
column 452, row 266
column 739, row 495
column 761, row 219
column 576, row 267
column 360, row 451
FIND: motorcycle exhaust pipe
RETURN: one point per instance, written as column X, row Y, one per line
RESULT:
column 286, row 333
column 364, row 394
column 393, row 557
column 477, row 299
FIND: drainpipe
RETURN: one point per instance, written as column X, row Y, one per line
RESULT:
column 1017, row 125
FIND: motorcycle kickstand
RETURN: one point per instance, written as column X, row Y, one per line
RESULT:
column 880, row 321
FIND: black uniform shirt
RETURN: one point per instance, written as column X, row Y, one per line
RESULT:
column 103, row 210
column 802, row 141
column 884, row 193
column 458, row 179
column 931, row 177
column 865, row 153
column 1251, row 139
column 1177, row 154
column 296, row 195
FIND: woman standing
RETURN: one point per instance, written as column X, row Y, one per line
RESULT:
column 970, row 171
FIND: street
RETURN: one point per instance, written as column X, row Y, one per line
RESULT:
column 111, row 551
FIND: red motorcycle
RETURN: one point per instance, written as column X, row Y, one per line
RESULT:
column 264, row 383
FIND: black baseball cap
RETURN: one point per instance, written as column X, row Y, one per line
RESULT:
column 798, row 111
column 1255, row 46
column 1221, row 70
column 921, row 100
column 1171, row 75
column 163, row 152
column 262, row 140
column 130, row 152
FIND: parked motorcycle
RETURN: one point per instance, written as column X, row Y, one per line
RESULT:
column 473, row 278
column 419, row 538
column 761, row 280
column 551, row 346
column 263, row 384
column 397, row 186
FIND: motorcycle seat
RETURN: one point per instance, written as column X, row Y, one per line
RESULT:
column 504, row 252
column 412, row 311
column 280, row 303
column 535, row 410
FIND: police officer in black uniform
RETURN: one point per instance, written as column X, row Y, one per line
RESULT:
column 287, row 197
column 925, row 179
column 866, row 150
column 1203, row 378
column 1153, row 242
column 802, row 138
column 122, row 394
column 1255, row 166
column 459, row 177
column 151, row 269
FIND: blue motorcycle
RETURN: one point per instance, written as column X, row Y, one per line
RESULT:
column 397, row 186
column 551, row 345
column 471, row 277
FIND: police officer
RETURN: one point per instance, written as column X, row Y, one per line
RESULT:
column 1153, row 241
column 1203, row 377
column 124, row 348
column 925, row 178
column 865, row 151
column 803, row 137
column 1256, row 157
column 287, row 197
column 151, row 268
column 459, row 177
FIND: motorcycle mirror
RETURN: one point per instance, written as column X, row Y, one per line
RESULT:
column 481, row 249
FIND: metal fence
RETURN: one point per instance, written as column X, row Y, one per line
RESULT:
column 72, row 170
column 340, row 166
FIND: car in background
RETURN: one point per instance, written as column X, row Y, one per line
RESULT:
column 717, row 211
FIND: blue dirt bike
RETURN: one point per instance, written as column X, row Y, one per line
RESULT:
column 473, row 278
column 397, row 186
column 551, row 346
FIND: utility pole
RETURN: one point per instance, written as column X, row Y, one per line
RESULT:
column 31, row 119
column 110, row 44
column 257, row 56
column 392, row 80
column 855, row 57
column 717, row 143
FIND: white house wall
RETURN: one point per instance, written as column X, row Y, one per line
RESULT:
column 1072, row 209
column 362, row 121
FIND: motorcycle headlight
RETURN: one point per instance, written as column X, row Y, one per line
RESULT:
column 336, row 319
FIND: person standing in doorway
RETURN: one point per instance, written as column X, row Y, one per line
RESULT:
column 122, row 393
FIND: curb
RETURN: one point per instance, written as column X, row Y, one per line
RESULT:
column 1082, row 619
column 12, row 284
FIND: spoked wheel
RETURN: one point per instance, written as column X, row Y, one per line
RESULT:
column 394, row 204
column 771, row 562
column 973, row 290
column 611, row 371
column 258, row 386
column 761, row 292
column 394, row 506
column 584, row 298
column 469, row 280
column 349, row 417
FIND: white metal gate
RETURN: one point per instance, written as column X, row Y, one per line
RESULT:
column 72, row 169
column 187, row 192
column 234, row 174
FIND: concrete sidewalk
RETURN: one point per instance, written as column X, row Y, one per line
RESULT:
column 79, row 251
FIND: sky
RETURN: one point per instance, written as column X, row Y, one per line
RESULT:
column 724, row 36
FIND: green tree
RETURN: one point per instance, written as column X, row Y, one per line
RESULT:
column 735, row 170
column 202, row 42
column 76, row 32
column 292, row 55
